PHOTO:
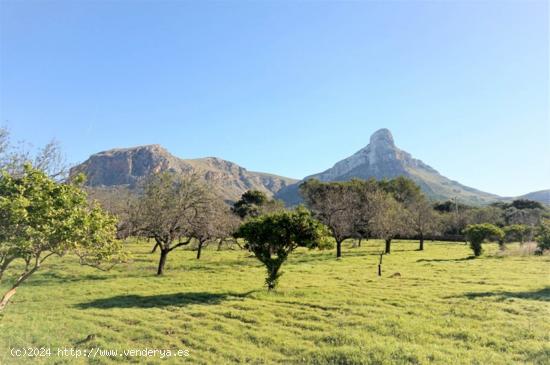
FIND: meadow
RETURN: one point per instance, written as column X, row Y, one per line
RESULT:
column 444, row 308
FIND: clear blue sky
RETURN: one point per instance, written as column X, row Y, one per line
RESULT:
column 287, row 87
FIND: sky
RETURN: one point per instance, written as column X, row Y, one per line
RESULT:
column 287, row 87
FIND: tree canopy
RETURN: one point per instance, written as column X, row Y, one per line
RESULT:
column 272, row 237
column 40, row 217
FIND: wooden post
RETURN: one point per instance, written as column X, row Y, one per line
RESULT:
column 380, row 265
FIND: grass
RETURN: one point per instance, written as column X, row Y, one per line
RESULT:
column 443, row 309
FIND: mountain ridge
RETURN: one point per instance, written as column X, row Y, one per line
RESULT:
column 129, row 166
column 379, row 159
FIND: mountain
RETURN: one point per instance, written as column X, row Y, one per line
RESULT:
column 541, row 196
column 381, row 159
column 125, row 167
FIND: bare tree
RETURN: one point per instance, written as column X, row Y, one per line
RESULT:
column 48, row 159
column 165, row 209
column 422, row 219
column 210, row 223
column 390, row 221
column 346, row 208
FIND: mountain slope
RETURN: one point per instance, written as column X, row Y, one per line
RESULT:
column 381, row 159
column 541, row 196
column 126, row 167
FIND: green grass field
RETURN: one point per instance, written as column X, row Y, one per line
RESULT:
column 443, row 309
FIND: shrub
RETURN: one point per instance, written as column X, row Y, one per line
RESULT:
column 477, row 233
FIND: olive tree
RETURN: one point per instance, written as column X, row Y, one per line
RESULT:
column 477, row 233
column 40, row 218
column 272, row 237
column 165, row 210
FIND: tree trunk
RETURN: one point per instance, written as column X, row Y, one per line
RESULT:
column 10, row 293
column 220, row 244
column 199, row 249
column 338, row 249
column 421, row 247
column 272, row 275
column 162, row 261
column 388, row 245
column 6, row 298
column 359, row 243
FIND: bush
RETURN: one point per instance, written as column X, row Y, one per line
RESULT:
column 543, row 238
column 477, row 233
column 326, row 243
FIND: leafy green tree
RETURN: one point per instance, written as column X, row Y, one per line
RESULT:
column 517, row 232
column 254, row 203
column 40, row 217
column 272, row 237
column 404, row 190
column 476, row 234
column 526, row 204
column 543, row 237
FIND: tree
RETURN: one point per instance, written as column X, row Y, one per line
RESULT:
column 254, row 203
column 517, row 232
column 404, row 190
column 543, row 237
column 526, row 204
column 477, row 233
column 40, row 217
column 423, row 219
column 166, row 208
column 334, row 204
column 210, row 223
column 390, row 221
column 47, row 159
column 272, row 237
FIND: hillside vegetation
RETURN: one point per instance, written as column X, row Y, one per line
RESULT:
column 444, row 308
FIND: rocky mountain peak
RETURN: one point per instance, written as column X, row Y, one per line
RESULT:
column 382, row 137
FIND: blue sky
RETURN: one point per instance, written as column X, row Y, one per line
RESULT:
column 287, row 87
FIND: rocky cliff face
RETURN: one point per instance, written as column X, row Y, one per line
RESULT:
column 129, row 166
column 382, row 159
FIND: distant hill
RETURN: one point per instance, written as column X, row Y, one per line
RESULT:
column 381, row 159
column 123, row 168
column 541, row 196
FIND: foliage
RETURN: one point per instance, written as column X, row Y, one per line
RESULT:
column 517, row 232
column 477, row 233
column 403, row 190
column 40, row 218
column 272, row 237
column 543, row 237
column 254, row 203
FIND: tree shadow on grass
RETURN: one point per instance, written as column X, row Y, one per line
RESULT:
column 447, row 260
column 162, row 300
column 541, row 294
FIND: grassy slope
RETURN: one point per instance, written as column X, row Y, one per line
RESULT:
column 444, row 309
